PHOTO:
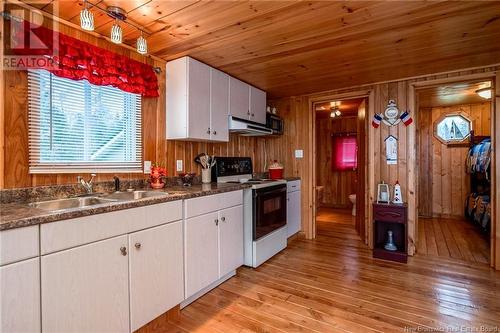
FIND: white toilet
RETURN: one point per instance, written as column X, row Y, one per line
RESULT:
column 352, row 197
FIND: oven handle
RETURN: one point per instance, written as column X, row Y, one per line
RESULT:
column 263, row 191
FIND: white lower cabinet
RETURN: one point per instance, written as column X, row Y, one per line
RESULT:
column 156, row 274
column 293, row 208
column 20, row 297
column 85, row 289
column 201, row 251
column 213, row 242
column 231, row 239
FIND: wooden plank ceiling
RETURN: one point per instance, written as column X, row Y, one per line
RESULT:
column 452, row 94
column 291, row 48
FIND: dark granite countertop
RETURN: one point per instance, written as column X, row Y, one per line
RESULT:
column 291, row 179
column 20, row 214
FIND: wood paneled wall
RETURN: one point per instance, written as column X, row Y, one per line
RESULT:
column 406, row 171
column 338, row 185
column 443, row 189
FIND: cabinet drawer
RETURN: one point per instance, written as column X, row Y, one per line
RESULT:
column 389, row 214
column 158, row 214
column 293, row 185
column 18, row 244
column 212, row 203
column 65, row 234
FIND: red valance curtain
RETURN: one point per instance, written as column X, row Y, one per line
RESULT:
column 344, row 153
column 77, row 60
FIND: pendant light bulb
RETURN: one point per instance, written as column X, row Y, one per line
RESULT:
column 116, row 33
column 142, row 45
column 86, row 18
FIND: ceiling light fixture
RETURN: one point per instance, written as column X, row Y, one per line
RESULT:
column 120, row 16
column 142, row 45
column 116, row 33
column 86, row 18
column 484, row 93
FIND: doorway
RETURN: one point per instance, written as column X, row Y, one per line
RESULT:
column 453, row 156
column 340, row 166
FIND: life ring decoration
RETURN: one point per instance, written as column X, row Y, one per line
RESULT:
column 392, row 116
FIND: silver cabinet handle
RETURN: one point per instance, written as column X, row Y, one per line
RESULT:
column 216, row 221
column 123, row 250
column 223, row 219
column 253, row 115
column 138, row 245
column 248, row 112
column 208, row 131
column 214, row 132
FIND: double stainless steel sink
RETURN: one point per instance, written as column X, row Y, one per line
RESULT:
column 94, row 200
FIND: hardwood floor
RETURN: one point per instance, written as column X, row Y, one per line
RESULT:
column 452, row 238
column 332, row 284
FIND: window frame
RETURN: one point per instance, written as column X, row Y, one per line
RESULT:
column 34, row 143
column 453, row 142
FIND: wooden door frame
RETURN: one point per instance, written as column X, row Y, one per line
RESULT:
column 369, row 180
column 495, row 165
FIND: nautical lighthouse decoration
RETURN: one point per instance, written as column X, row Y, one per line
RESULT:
column 391, row 150
column 398, row 197
column 392, row 116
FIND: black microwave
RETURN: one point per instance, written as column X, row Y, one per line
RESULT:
column 274, row 123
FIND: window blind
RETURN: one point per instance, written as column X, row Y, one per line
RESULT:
column 75, row 126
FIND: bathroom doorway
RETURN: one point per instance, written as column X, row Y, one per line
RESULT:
column 340, row 162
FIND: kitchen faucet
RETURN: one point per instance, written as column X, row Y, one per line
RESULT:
column 87, row 185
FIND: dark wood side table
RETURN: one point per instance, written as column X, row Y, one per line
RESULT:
column 393, row 217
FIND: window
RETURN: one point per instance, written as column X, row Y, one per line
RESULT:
column 75, row 126
column 452, row 128
column 345, row 153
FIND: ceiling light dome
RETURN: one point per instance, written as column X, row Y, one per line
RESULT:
column 484, row 93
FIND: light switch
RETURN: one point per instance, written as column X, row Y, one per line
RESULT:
column 179, row 167
column 147, row 167
column 299, row 153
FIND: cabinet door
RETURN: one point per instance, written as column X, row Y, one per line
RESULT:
column 257, row 105
column 198, row 100
column 239, row 98
column 201, row 252
column 20, row 300
column 85, row 289
column 156, row 272
column 293, row 211
column 219, row 105
column 230, row 239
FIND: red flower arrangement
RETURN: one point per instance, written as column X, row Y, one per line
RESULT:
column 157, row 176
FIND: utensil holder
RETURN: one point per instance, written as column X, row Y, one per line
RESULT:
column 206, row 176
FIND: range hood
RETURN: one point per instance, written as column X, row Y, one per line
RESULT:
column 247, row 127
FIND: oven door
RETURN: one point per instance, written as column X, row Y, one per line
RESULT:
column 269, row 210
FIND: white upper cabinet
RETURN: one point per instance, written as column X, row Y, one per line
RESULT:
column 188, row 100
column 246, row 102
column 200, row 99
column 239, row 98
column 257, row 105
column 219, row 105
